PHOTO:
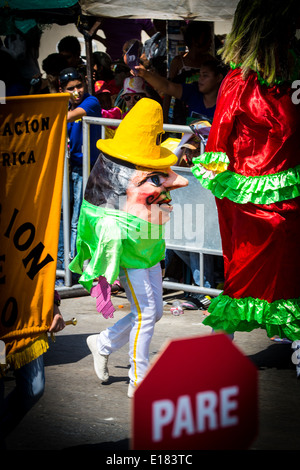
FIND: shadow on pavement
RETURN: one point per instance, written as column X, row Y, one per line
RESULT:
column 276, row 355
column 67, row 350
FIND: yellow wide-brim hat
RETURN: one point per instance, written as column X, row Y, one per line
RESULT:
column 137, row 140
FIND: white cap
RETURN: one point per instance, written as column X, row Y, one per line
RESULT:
column 134, row 85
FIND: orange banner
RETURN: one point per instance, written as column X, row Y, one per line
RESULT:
column 32, row 149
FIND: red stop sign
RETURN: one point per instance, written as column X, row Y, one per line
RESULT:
column 201, row 393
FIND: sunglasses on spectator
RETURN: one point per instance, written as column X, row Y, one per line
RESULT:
column 135, row 97
column 68, row 76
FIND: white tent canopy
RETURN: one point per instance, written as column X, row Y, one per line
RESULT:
column 204, row 10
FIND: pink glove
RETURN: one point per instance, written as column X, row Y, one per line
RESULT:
column 102, row 293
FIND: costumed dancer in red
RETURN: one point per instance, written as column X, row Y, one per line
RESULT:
column 252, row 166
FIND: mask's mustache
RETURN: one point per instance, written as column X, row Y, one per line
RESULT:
column 162, row 198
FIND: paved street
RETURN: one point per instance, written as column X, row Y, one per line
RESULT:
column 79, row 412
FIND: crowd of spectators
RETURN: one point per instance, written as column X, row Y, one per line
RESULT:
column 187, row 88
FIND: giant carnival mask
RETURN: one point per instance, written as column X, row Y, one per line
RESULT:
column 133, row 173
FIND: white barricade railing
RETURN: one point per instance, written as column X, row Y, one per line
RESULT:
column 193, row 226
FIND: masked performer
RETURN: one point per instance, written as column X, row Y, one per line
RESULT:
column 255, row 139
column 121, row 231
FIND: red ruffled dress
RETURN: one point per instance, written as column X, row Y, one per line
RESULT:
column 252, row 166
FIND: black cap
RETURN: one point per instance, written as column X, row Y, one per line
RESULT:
column 69, row 74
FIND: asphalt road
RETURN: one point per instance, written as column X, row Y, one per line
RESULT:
column 77, row 412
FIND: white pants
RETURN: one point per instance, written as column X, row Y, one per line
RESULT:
column 143, row 289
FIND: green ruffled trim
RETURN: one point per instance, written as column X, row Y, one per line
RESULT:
column 281, row 318
column 262, row 81
column 265, row 189
column 211, row 157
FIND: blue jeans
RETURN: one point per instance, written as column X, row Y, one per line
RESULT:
column 30, row 386
column 76, row 188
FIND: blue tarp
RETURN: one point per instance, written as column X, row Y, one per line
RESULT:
column 18, row 16
column 36, row 4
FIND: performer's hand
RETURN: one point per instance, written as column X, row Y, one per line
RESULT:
column 58, row 323
column 206, row 173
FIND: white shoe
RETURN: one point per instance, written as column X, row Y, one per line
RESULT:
column 100, row 360
column 131, row 390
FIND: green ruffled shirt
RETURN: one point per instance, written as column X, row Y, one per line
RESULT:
column 111, row 239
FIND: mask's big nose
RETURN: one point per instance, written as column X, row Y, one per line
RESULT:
column 175, row 181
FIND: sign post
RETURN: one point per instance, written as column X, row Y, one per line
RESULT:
column 200, row 394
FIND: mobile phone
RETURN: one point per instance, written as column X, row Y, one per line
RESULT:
column 133, row 56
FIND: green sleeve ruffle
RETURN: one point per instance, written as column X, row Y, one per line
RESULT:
column 265, row 189
column 281, row 318
column 214, row 161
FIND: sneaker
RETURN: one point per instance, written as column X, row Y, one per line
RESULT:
column 196, row 302
column 100, row 360
column 59, row 283
column 131, row 390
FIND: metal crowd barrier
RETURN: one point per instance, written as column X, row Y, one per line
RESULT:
column 193, row 226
